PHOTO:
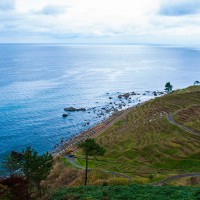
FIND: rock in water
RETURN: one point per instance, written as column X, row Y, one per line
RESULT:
column 133, row 93
column 65, row 115
column 126, row 95
column 155, row 93
column 74, row 109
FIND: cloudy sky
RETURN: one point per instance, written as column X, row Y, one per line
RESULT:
column 100, row 21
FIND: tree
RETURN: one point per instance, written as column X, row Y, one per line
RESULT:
column 196, row 82
column 168, row 87
column 42, row 169
column 35, row 167
column 90, row 148
column 11, row 164
column 29, row 162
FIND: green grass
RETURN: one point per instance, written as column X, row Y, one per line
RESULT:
column 145, row 143
column 92, row 162
column 131, row 192
column 65, row 162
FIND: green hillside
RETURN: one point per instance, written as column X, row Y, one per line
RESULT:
column 132, row 192
column 145, row 144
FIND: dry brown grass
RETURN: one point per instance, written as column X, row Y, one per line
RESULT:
column 60, row 176
column 187, row 181
column 189, row 117
column 63, row 175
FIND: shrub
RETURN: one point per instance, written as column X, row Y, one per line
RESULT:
column 118, row 181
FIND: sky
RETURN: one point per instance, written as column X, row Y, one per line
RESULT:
column 100, row 21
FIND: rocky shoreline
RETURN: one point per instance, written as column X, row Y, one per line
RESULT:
column 71, row 144
column 115, row 102
column 118, row 106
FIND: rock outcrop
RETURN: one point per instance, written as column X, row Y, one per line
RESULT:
column 126, row 95
column 71, row 109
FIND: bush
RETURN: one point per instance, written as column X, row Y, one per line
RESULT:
column 141, row 180
column 135, row 192
column 118, row 181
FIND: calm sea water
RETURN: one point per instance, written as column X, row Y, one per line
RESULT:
column 39, row 80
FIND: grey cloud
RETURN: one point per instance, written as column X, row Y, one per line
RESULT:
column 180, row 7
column 7, row 5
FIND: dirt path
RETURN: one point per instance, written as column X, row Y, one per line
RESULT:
column 171, row 178
column 71, row 159
column 171, row 120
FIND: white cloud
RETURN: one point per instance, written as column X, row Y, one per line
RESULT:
column 98, row 20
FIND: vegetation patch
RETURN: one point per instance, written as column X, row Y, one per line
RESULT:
column 136, row 192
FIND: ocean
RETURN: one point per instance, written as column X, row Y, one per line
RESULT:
column 37, row 81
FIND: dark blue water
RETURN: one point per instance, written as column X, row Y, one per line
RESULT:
column 39, row 80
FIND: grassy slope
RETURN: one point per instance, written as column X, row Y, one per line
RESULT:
column 144, row 143
column 135, row 192
column 189, row 117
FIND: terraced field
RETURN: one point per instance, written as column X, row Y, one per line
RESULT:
column 145, row 144
column 189, row 117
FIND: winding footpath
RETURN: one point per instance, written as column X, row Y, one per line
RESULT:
column 171, row 120
column 71, row 159
column 172, row 178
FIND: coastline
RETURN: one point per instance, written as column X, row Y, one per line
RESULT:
column 71, row 145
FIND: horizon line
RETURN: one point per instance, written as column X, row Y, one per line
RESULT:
column 106, row 43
